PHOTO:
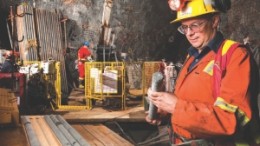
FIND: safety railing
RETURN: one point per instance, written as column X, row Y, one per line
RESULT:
column 103, row 81
column 60, row 105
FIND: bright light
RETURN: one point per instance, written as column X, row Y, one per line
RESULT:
column 174, row 4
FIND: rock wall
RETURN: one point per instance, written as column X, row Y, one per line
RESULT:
column 141, row 27
column 242, row 20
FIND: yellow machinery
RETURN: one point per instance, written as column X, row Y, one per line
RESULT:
column 52, row 79
column 50, row 73
column 104, row 80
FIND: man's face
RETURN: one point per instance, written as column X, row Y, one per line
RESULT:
column 198, row 31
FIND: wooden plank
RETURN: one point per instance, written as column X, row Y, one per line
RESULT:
column 88, row 136
column 15, row 114
column 8, row 107
column 5, row 95
column 100, row 135
column 21, row 33
column 136, row 92
column 5, row 117
column 114, row 137
column 106, row 12
column 136, row 114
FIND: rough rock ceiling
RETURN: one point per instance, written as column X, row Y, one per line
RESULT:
column 139, row 28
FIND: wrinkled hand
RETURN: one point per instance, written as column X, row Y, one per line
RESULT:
column 163, row 100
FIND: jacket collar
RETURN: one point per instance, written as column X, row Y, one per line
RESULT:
column 214, row 45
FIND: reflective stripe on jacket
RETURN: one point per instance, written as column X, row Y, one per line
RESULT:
column 198, row 114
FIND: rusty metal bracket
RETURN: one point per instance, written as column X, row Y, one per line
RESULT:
column 20, row 40
column 23, row 14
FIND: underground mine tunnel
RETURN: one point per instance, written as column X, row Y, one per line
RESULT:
column 54, row 94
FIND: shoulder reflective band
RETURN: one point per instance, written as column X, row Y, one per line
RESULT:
column 226, row 46
column 221, row 60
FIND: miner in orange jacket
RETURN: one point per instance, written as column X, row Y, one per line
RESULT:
column 84, row 55
column 196, row 115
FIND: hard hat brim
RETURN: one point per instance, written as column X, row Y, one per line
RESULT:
column 185, row 18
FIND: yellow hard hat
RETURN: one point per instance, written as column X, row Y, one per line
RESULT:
column 194, row 8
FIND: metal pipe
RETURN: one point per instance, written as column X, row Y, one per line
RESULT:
column 44, row 56
column 12, row 26
column 63, row 140
column 49, row 35
column 43, row 24
column 73, row 132
column 64, row 131
column 28, row 30
column 33, row 35
column 56, row 21
column 45, row 50
column 38, row 34
column 34, row 141
column 53, row 35
column 9, row 34
column 26, row 51
column 61, row 58
column 65, row 34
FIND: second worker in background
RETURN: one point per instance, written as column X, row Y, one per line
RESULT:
column 84, row 55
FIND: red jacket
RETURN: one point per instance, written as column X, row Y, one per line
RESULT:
column 197, row 114
column 83, row 53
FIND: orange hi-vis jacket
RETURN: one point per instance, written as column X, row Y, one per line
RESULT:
column 200, row 115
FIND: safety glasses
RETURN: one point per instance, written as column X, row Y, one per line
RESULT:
column 194, row 27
